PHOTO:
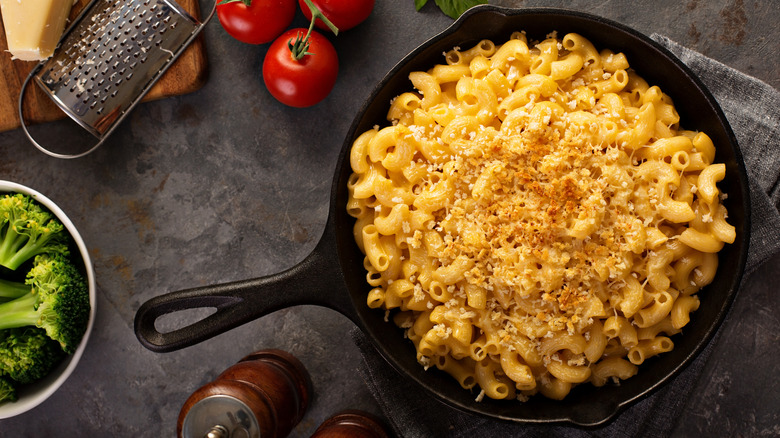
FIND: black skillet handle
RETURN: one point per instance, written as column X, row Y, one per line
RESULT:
column 316, row 280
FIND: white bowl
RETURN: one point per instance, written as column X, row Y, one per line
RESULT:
column 34, row 394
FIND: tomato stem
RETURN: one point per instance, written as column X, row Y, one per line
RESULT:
column 245, row 2
column 316, row 13
column 300, row 47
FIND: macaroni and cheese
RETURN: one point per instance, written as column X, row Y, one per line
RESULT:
column 535, row 217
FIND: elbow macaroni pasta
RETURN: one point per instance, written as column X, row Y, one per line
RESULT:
column 535, row 217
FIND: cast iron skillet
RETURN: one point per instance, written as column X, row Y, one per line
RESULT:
column 333, row 275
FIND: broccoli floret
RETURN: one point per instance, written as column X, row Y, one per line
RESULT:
column 7, row 391
column 26, row 230
column 27, row 354
column 58, row 301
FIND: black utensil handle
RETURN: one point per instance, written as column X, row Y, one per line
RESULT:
column 316, row 280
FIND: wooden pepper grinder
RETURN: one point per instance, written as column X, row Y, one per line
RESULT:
column 351, row 424
column 265, row 394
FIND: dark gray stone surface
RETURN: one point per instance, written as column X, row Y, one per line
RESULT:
column 226, row 184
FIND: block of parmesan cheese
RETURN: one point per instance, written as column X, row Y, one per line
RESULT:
column 34, row 27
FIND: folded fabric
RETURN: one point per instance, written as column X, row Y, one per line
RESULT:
column 753, row 110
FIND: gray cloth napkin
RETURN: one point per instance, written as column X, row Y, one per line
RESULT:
column 753, row 110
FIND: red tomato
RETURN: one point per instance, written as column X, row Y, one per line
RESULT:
column 344, row 14
column 304, row 82
column 256, row 21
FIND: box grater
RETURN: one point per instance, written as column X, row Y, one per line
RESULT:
column 108, row 59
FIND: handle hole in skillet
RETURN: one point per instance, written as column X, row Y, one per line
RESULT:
column 182, row 318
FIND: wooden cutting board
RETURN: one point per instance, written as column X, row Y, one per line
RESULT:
column 186, row 75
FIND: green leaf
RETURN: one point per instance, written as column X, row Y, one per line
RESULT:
column 454, row 8
column 418, row 4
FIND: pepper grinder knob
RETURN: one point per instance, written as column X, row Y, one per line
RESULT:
column 265, row 394
column 351, row 424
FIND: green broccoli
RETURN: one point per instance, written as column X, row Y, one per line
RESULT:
column 58, row 301
column 26, row 230
column 12, row 289
column 27, row 354
column 7, row 391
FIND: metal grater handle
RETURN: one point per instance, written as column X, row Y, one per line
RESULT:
column 107, row 61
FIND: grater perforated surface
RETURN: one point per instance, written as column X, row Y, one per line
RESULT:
column 112, row 56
